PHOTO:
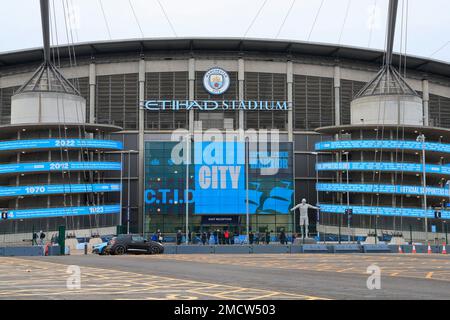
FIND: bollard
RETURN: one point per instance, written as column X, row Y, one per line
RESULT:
column 85, row 247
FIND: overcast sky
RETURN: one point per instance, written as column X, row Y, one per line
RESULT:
column 427, row 33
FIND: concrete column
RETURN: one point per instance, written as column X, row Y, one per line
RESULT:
column 426, row 101
column 337, row 95
column 191, row 77
column 290, row 99
column 241, row 79
column 141, row 146
column 92, row 94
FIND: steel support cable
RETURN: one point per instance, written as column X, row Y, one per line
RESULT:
column 285, row 18
column 81, row 128
column 401, row 37
column 136, row 18
column 255, row 17
column 105, row 19
column 55, row 21
column 72, row 19
column 315, row 19
column 64, row 114
column 167, row 18
column 440, row 49
column 372, row 25
column 345, row 21
column 406, row 38
column 59, row 115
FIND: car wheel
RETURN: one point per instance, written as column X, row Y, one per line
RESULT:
column 154, row 250
column 120, row 250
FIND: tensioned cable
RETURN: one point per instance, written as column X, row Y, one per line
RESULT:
column 285, row 18
column 406, row 37
column 105, row 19
column 345, row 20
column 372, row 22
column 167, row 18
column 440, row 49
column 136, row 18
column 56, row 33
column 315, row 19
column 82, row 127
column 255, row 17
column 72, row 18
column 401, row 37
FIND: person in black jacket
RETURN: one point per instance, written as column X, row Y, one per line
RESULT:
column 282, row 237
column 204, row 238
column 267, row 237
column 251, row 237
column 179, row 237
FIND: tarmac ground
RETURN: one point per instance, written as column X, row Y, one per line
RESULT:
column 227, row 276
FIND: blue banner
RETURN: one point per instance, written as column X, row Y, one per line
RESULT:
column 381, row 144
column 383, row 211
column 58, row 189
column 383, row 166
column 60, row 143
column 62, row 212
column 219, row 180
column 58, row 166
column 375, row 188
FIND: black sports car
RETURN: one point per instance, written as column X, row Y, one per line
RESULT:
column 131, row 243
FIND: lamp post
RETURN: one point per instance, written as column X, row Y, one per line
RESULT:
column 421, row 138
column 317, row 196
column 129, row 186
column 186, row 195
column 348, row 197
column 128, row 195
column 121, row 187
column 247, row 155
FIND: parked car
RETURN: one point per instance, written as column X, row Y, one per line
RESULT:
column 100, row 248
column 131, row 243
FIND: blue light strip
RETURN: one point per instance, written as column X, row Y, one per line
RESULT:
column 58, row 189
column 383, row 166
column 58, row 166
column 383, row 211
column 60, row 143
column 381, row 144
column 62, row 212
column 381, row 188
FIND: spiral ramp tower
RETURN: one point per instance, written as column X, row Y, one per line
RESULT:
column 386, row 171
column 52, row 162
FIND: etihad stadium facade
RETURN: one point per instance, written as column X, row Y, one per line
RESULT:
column 303, row 90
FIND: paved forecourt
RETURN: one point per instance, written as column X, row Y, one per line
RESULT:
column 228, row 276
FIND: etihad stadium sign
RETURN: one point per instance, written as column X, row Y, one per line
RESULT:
column 211, row 105
column 216, row 81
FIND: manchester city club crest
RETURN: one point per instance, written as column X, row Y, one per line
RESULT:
column 216, row 81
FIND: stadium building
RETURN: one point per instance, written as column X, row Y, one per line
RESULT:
column 124, row 84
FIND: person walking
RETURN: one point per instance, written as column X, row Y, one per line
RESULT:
column 204, row 238
column 216, row 236
column 267, row 236
column 282, row 237
column 208, row 236
column 35, row 237
column 251, row 237
column 160, row 236
column 226, row 236
column 41, row 237
column 179, row 236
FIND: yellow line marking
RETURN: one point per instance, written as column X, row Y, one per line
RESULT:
column 224, row 289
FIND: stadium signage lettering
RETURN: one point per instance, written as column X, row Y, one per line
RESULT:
column 210, row 105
